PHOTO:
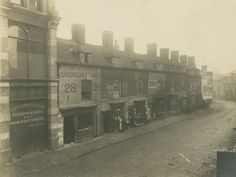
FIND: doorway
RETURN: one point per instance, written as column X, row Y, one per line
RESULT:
column 108, row 124
column 69, row 129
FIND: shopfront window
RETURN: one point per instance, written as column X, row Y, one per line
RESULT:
column 85, row 121
column 86, row 89
column 27, row 53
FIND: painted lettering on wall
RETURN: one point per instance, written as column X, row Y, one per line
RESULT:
column 80, row 75
column 28, row 114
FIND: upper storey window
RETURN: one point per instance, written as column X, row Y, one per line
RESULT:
column 34, row 4
column 20, row 2
column 27, row 53
column 31, row 4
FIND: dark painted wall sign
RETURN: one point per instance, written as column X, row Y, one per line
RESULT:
column 31, row 114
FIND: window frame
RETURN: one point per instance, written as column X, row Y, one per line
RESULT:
column 28, row 31
column 86, row 90
column 118, row 92
column 137, row 87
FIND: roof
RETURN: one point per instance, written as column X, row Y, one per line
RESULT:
column 68, row 52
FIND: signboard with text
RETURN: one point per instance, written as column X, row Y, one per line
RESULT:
column 28, row 126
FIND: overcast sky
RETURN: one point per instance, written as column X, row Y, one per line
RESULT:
column 205, row 29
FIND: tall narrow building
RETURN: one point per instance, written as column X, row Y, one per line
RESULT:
column 29, row 118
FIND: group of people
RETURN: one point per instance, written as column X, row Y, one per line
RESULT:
column 133, row 120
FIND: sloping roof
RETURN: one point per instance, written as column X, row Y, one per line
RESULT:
column 67, row 52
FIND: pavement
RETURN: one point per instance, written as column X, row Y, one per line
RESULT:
column 168, row 147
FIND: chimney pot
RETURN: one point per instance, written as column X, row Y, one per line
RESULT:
column 129, row 45
column 184, row 60
column 78, row 33
column 191, row 61
column 152, row 49
column 107, row 39
column 164, row 53
column 174, row 55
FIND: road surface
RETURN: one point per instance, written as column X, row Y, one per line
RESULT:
column 184, row 149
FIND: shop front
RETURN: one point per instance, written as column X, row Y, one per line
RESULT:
column 113, row 119
column 140, row 112
column 79, row 125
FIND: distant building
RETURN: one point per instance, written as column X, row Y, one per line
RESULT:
column 207, row 84
column 225, row 86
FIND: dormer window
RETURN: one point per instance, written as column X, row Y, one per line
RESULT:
column 84, row 58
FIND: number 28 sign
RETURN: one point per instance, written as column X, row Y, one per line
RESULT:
column 70, row 88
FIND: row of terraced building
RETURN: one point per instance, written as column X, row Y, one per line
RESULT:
column 57, row 91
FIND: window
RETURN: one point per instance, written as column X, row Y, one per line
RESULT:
column 116, row 89
column 160, row 85
column 34, row 4
column 124, row 89
column 85, row 121
column 86, row 89
column 139, row 64
column 84, row 58
column 139, row 87
column 17, row 2
column 18, row 52
column 152, row 84
column 27, row 53
column 182, row 84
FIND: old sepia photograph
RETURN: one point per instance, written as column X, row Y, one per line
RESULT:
column 117, row 88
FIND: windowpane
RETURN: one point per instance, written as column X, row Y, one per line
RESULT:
column 139, row 87
column 37, row 60
column 17, row 32
column 116, row 86
column 34, row 4
column 36, row 36
column 124, row 89
column 17, row 58
column 85, row 121
column 17, row 1
column 116, row 89
column 86, row 89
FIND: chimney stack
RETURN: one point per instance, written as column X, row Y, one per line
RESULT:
column 129, row 45
column 78, row 33
column 152, row 49
column 164, row 53
column 184, row 60
column 174, row 55
column 191, row 61
column 107, row 39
